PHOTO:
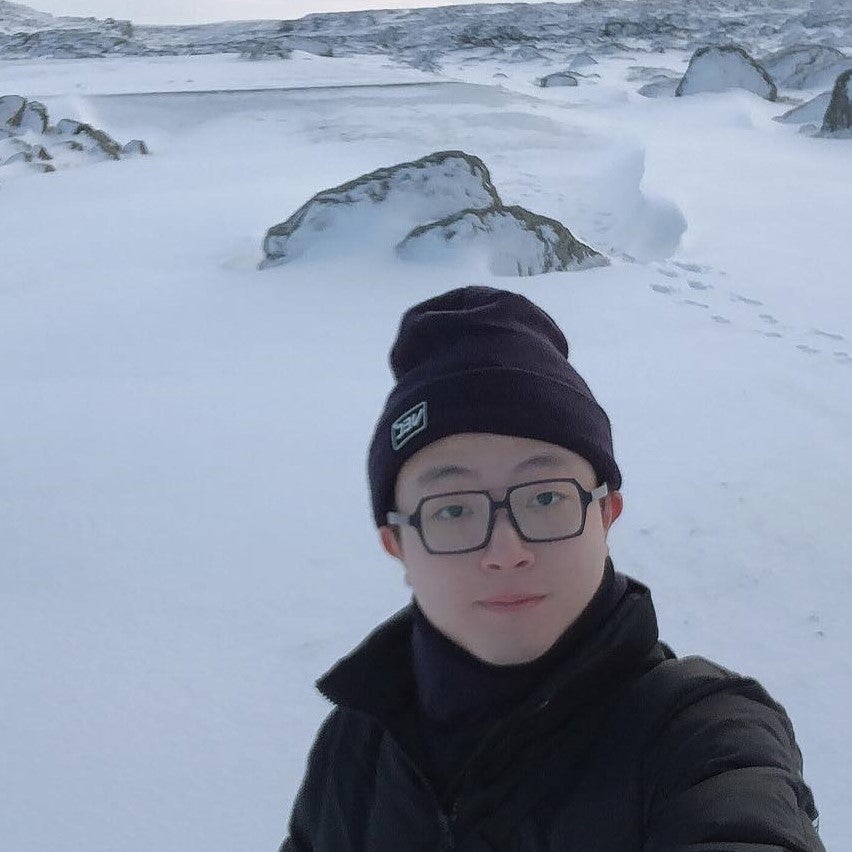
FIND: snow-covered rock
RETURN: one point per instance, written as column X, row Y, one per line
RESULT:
column 26, row 136
column 559, row 78
column 266, row 49
column 813, row 111
column 716, row 69
column 483, row 33
column 36, row 155
column 84, row 39
column 838, row 116
column 33, row 117
column 582, row 60
column 624, row 29
column 650, row 73
column 385, row 203
column 526, row 53
column 805, row 66
column 661, row 86
column 135, row 146
column 514, row 241
column 315, row 46
column 90, row 139
column 11, row 109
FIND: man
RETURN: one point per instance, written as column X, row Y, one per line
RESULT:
column 523, row 700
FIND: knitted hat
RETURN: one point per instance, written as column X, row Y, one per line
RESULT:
column 477, row 359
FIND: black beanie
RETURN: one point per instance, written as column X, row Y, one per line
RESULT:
column 477, row 359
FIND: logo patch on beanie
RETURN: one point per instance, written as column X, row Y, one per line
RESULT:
column 404, row 428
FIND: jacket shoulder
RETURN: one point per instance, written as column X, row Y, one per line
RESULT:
column 722, row 751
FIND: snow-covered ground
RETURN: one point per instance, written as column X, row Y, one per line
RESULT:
column 185, row 533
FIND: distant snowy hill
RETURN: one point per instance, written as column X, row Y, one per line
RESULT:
column 421, row 35
column 15, row 17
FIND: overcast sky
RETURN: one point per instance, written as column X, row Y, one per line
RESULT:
column 185, row 11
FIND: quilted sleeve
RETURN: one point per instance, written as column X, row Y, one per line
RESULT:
column 725, row 775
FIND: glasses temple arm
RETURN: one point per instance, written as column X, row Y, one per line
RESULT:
column 600, row 492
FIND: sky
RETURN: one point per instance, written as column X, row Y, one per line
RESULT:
column 184, row 11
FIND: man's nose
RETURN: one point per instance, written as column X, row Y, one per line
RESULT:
column 505, row 548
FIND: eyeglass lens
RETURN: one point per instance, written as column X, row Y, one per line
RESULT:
column 543, row 510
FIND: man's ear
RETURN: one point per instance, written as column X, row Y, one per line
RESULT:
column 391, row 544
column 611, row 508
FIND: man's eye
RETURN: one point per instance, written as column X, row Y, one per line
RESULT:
column 547, row 498
column 450, row 512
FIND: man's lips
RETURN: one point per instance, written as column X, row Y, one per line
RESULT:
column 511, row 603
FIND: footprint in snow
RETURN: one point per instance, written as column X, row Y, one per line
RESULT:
column 662, row 288
column 768, row 318
column 803, row 347
column 818, row 332
column 736, row 297
column 698, row 285
column 720, row 319
column 843, row 357
column 669, row 273
column 771, row 334
column 690, row 267
column 694, row 303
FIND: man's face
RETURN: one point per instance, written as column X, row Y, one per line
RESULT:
column 465, row 595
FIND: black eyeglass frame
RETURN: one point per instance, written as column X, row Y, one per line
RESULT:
column 414, row 519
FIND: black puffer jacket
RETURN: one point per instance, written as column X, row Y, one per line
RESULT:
column 623, row 748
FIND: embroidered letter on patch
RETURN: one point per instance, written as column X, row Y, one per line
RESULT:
column 404, row 428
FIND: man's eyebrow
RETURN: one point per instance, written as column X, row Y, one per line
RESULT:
column 442, row 472
column 543, row 460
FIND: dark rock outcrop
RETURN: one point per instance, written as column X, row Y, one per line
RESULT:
column 838, row 116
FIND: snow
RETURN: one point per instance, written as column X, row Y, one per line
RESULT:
column 186, row 533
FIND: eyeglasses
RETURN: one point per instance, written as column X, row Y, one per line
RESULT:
column 462, row 521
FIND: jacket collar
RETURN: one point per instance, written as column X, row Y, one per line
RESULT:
column 377, row 677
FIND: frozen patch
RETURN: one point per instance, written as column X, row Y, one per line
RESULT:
column 404, row 428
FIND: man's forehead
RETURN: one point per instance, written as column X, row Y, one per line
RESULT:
column 433, row 472
column 479, row 456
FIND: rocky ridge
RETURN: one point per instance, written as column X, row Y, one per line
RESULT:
column 421, row 37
